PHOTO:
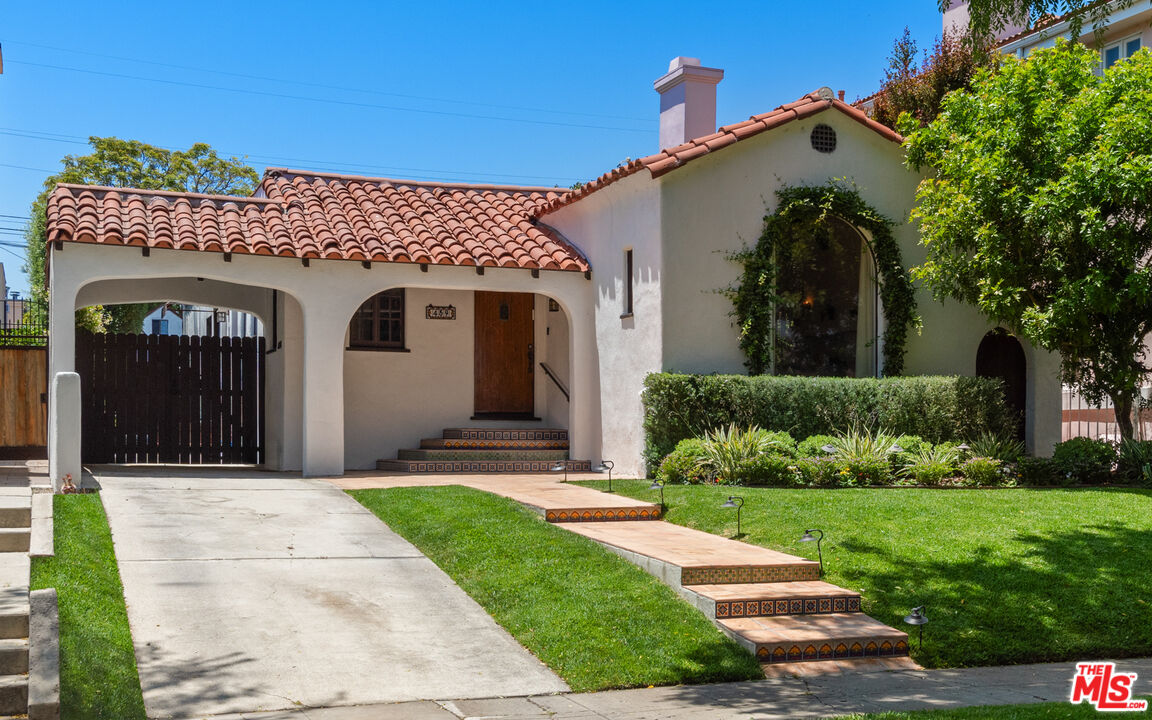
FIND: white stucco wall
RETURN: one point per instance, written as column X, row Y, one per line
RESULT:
column 603, row 225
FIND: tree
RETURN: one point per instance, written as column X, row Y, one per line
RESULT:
column 1038, row 210
column 128, row 163
column 987, row 17
column 919, row 91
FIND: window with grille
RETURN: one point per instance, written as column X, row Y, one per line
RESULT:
column 379, row 323
column 1119, row 51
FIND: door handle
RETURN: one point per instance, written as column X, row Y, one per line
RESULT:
column 531, row 358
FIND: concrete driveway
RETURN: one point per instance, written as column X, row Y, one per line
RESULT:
column 255, row 591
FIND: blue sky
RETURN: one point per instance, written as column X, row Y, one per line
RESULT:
column 540, row 94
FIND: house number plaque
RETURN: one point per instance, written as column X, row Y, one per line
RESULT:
column 440, row 312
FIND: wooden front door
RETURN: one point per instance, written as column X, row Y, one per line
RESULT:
column 504, row 354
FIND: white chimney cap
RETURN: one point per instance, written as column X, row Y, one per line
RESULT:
column 681, row 61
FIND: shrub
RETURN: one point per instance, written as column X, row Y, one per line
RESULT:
column 984, row 471
column 856, row 444
column 770, row 469
column 1039, row 471
column 934, row 408
column 817, row 471
column 999, row 447
column 1084, row 460
column 682, row 465
column 863, row 470
column 1134, row 462
column 725, row 449
column 931, row 464
column 813, row 446
column 909, row 445
column 782, row 443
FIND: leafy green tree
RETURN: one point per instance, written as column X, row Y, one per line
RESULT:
column 919, row 90
column 1038, row 210
column 128, row 163
column 987, row 17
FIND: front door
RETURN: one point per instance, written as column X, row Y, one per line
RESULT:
column 504, row 355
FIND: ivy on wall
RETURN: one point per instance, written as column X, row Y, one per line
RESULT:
column 803, row 212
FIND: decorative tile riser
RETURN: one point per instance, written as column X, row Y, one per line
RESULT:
column 450, row 444
column 602, row 514
column 553, row 456
column 791, row 652
column 757, row 574
column 496, row 434
column 790, row 606
column 479, row 466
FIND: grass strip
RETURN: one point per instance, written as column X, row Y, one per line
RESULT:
column 98, row 677
column 1039, row 711
column 1007, row 576
column 597, row 620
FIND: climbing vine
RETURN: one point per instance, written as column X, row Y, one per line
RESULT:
column 803, row 215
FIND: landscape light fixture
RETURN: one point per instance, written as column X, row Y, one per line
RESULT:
column 828, row 449
column 606, row 465
column 963, row 448
column 735, row 501
column 561, row 466
column 659, row 485
column 895, row 449
column 809, row 537
column 917, row 617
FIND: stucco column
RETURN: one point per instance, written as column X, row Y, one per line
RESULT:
column 325, row 323
column 584, row 409
column 62, row 359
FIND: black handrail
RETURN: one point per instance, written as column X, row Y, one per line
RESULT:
column 548, row 371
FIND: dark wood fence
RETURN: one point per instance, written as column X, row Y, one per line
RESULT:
column 171, row 399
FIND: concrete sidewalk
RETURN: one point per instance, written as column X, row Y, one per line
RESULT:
column 250, row 591
column 778, row 698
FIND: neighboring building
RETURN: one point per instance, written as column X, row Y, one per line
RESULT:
column 166, row 319
column 399, row 308
column 1127, row 30
column 12, row 306
column 221, row 322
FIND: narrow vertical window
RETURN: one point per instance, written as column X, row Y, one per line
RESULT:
column 627, row 282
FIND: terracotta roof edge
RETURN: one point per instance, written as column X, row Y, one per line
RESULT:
column 162, row 193
column 417, row 183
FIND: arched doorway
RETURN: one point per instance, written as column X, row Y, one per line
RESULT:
column 1000, row 355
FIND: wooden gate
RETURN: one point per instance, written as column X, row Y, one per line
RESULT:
column 23, row 413
column 171, row 399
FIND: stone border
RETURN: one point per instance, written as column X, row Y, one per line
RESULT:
column 43, row 655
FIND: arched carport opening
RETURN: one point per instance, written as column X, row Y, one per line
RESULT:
column 225, row 391
column 419, row 360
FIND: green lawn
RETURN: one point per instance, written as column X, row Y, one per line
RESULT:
column 598, row 621
column 1007, row 576
column 97, row 665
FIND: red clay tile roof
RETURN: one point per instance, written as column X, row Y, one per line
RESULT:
column 325, row 216
column 672, row 158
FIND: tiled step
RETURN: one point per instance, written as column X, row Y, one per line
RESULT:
column 479, row 466
column 770, row 599
column 553, row 456
column 803, row 638
column 682, row 556
column 13, row 656
column 602, row 514
column 505, row 434
column 461, row 444
column 14, row 695
column 15, row 539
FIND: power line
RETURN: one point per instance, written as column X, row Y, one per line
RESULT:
column 324, row 86
column 24, row 167
column 299, row 163
column 348, row 103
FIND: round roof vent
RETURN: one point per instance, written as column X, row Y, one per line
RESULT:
column 823, row 138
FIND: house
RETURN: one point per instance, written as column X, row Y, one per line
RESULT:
column 165, row 319
column 1127, row 30
column 398, row 308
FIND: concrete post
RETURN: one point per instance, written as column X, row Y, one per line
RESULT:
column 584, row 409
column 64, row 431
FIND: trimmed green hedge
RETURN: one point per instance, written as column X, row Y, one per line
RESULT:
column 937, row 409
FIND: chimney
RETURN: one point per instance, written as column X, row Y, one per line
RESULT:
column 687, row 101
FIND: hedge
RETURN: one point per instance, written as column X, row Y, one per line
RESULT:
column 938, row 409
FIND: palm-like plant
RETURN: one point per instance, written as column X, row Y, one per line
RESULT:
column 724, row 449
column 864, row 446
column 932, row 463
column 990, row 445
